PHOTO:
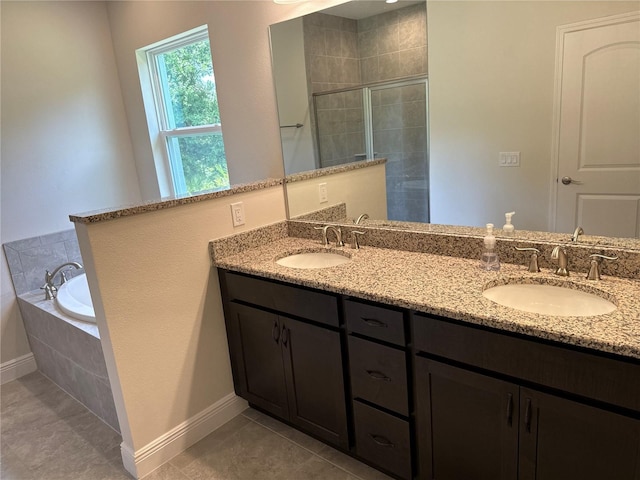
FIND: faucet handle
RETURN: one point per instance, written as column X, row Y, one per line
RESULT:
column 356, row 244
column 594, row 268
column 533, row 262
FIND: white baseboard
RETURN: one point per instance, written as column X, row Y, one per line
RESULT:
column 16, row 368
column 175, row 441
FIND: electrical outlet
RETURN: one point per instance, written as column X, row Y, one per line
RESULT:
column 322, row 192
column 237, row 214
column 509, row 159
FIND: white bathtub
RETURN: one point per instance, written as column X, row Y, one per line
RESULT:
column 74, row 299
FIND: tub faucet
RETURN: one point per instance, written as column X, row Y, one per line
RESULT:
column 50, row 289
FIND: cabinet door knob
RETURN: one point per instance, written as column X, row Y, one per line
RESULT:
column 275, row 333
column 376, row 375
column 285, row 335
column 372, row 322
column 382, row 441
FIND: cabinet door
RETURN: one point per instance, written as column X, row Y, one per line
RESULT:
column 561, row 439
column 313, row 364
column 261, row 373
column 467, row 424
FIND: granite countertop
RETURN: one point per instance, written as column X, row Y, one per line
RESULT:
column 452, row 287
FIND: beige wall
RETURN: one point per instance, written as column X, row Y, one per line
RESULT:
column 491, row 86
column 65, row 144
column 159, row 310
column 293, row 97
column 242, row 62
column 363, row 190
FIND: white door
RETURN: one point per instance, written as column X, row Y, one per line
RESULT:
column 598, row 127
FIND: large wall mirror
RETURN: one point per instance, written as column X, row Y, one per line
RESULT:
column 496, row 102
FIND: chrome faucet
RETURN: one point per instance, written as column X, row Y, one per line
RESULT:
column 49, row 287
column 560, row 253
column 576, row 233
column 325, row 238
column 361, row 218
column 337, row 231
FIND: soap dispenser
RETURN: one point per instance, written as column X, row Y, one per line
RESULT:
column 508, row 229
column 489, row 260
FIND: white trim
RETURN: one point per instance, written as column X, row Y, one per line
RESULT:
column 561, row 32
column 142, row 462
column 17, row 367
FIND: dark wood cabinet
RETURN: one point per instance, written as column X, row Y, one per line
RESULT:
column 467, row 424
column 420, row 396
column 259, row 358
column 288, row 367
column 379, row 386
column 315, row 381
column 562, row 439
column 481, row 425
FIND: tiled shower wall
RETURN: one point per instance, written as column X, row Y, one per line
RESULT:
column 66, row 350
column 394, row 44
column 340, row 128
column 387, row 46
column 331, row 52
column 400, row 135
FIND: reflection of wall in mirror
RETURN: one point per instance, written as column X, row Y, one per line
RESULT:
column 287, row 50
column 491, row 90
column 362, row 189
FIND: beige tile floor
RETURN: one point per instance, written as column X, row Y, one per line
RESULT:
column 47, row 435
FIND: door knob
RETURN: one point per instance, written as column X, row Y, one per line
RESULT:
column 569, row 180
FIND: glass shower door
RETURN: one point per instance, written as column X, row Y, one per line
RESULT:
column 399, row 133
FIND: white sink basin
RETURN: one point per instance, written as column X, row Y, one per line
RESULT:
column 313, row 260
column 549, row 300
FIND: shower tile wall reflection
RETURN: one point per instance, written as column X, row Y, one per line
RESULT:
column 340, row 128
column 400, row 134
column 343, row 53
column 393, row 44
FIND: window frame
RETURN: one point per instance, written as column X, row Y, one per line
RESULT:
column 171, row 177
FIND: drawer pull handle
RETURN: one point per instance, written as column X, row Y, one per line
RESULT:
column 376, row 375
column 275, row 333
column 382, row 441
column 509, row 408
column 372, row 322
column 527, row 415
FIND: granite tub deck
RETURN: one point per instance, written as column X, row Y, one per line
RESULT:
column 451, row 287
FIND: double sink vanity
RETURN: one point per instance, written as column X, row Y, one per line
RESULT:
column 395, row 356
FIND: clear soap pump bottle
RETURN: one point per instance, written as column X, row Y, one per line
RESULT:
column 489, row 260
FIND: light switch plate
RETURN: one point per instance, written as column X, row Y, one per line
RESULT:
column 509, row 159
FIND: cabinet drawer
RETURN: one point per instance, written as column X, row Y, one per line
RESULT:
column 378, row 374
column 590, row 375
column 383, row 439
column 375, row 321
column 297, row 301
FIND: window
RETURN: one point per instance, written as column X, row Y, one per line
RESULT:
column 179, row 86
